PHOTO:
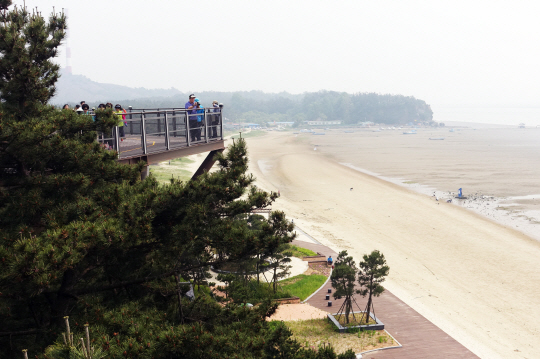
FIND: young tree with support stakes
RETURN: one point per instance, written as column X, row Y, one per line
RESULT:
column 343, row 280
column 373, row 271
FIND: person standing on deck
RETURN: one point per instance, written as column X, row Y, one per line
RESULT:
column 200, row 123
column 215, row 119
column 192, row 116
column 118, row 111
column 86, row 109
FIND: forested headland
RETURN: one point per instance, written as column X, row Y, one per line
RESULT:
column 257, row 106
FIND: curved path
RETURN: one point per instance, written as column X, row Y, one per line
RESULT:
column 419, row 337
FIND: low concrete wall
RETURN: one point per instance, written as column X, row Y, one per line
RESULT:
column 342, row 329
column 292, row 300
column 319, row 261
column 313, row 258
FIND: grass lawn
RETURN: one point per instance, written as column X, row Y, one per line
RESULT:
column 165, row 171
column 300, row 252
column 314, row 332
column 303, row 285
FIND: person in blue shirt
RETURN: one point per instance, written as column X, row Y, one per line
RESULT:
column 200, row 123
column 330, row 261
column 192, row 117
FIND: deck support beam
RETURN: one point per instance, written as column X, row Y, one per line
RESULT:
column 145, row 172
column 207, row 164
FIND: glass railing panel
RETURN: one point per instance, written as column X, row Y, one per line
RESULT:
column 177, row 129
column 155, row 132
column 131, row 144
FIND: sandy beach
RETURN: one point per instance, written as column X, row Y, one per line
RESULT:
column 473, row 277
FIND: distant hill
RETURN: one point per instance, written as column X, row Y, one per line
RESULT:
column 73, row 89
column 256, row 106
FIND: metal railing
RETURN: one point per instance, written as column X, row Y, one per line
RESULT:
column 147, row 131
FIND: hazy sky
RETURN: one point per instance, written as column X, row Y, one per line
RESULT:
column 444, row 52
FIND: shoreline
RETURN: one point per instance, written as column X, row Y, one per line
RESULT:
column 465, row 273
column 498, row 209
column 492, row 164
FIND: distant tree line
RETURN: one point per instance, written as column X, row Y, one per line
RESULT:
column 260, row 107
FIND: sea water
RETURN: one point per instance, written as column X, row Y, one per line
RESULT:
column 510, row 116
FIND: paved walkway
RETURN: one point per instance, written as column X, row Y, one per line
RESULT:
column 419, row 337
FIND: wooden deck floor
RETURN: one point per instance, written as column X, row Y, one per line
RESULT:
column 419, row 337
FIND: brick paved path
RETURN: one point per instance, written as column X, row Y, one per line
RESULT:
column 419, row 337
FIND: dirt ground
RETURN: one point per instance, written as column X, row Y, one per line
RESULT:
column 288, row 312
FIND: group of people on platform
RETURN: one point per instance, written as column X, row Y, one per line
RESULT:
column 195, row 114
column 196, row 119
column 84, row 109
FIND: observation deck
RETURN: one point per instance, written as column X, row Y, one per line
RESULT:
column 156, row 135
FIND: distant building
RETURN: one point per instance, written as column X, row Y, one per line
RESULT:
column 319, row 122
column 232, row 126
column 280, row 123
column 367, row 123
column 252, row 125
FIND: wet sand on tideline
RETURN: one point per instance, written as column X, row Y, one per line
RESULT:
column 475, row 279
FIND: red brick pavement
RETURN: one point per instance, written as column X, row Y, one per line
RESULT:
column 419, row 337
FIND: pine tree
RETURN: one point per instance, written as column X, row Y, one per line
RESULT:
column 58, row 187
column 373, row 270
column 343, row 280
column 27, row 45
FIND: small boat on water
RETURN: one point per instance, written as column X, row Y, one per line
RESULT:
column 413, row 132
column 436, row 138
column 319, row 133
column 349, row 131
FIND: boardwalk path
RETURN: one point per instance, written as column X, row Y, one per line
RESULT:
column 419, row 337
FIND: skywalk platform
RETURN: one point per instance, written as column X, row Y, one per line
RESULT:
column 157, row 135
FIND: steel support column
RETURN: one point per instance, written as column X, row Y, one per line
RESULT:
column 207, row 164
column 145, row 172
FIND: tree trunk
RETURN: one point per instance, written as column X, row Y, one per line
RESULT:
column 368, row 308
column 347, row 308
column 64, row 295
column 274, row 280
column 179, row 298
column 258, row 261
